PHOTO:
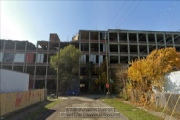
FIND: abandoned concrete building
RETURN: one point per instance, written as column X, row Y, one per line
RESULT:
column 120, row 47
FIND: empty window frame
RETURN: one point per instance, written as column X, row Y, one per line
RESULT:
column 113, row 59
column 94, row 47
column 123, row 37
column 113, row 37
column 177, row 39
column 143, row 49
column 124, row 59
column 151, row 38
column 84, row 47
column 133, row 49
column 94, row 35
column 132, row 37
column 142, row 38
column 151, row 48
column 113, row 48
column 123, row 48
column 84, row 35
column 160, row 39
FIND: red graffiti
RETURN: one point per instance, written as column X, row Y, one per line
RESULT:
column 18, row 99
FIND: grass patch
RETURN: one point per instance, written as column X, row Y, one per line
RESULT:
column 47, row 105
column 131, row 112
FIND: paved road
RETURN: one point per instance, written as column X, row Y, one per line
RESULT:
column 87, row 102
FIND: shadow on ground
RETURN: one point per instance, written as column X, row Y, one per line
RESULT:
column 34, row 112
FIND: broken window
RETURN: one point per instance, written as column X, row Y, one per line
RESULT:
column 177, row 39
column 151, row 38
column 124, row 59
column 160, row 39
column 142, row 38
column 94, row 47
column 143, row 49
column 84, row 35
column 132, row 37
column 113, row 37
column 113, row 48
column 102, row 47
column 113, row 59
column 84, row 47
column 94, row 35
column 133, row 48
column 123, row 37
column 123, row 48
column 151, row 48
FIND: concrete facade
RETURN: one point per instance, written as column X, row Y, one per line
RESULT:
column 120, row 46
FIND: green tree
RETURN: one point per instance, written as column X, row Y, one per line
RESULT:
column 68, row 64
column 102, row 74
column 89, row 71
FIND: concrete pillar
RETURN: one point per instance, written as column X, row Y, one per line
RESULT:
column 155, row 36
column 108, row 50
column 173, row 41
column 47, row 62
column 118, row 48
column 137, row 38
column 35, row 66
column 25, row 62
column 99, row 47
column 79, row 58
column 128, row 47
column 147, row 40
column 164, row 38
column 3, row 53
column 89, row 46
column 14, row 55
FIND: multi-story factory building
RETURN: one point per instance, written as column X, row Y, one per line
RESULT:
column 118, row 46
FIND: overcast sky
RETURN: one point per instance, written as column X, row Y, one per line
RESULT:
column 35, row 20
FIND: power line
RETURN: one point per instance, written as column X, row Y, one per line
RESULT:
column 126, row 11
column 132, row 11
column 172, row 17
column 163, row 15
column 117, row 13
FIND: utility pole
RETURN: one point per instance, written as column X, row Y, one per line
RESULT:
column 108, row 93
column 57, row 86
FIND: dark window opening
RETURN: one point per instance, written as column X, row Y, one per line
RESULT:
column 133, row 48
column 151, row 38
column 113, row 48
column 84, row 35
column 142, row 38
column 113, row 36
column 84, row 47
column 132, row 37
column 97, row 58
column 160, row 39
column 113, row 59
column 124, row 59
column 94, row 47
column 123, row 48
column 143, row 49
column 123, row 37
column 94, row 35
column 87, row 58
column 177, row 39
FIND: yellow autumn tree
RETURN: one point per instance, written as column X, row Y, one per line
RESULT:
column 147, row 72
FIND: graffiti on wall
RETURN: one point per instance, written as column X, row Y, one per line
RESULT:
column 19, row 97
column 16, row 101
